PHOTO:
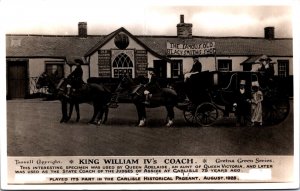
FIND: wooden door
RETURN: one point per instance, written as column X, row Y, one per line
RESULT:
column 17, row 79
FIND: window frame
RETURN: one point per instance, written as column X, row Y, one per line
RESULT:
column 225, row 61
column 59, row 64
column 117, row 70
column 285, row 72
column 178, row 70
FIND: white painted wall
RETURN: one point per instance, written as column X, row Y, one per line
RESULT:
column 37, row 66
column 94, row 70
column 236, row 61
column 111, row 45
column 210, row 63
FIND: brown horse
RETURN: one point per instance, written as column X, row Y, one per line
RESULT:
column 164, row 97
column 93, row 93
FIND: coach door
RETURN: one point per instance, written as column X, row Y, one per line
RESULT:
column 17, row 79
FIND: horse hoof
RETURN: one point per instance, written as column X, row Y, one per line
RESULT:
column 141, row 124
column 170, row 124
column 63, row 121
column 98, row 123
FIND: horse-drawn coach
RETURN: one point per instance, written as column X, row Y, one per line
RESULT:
column 203, row 98
column 212, row 93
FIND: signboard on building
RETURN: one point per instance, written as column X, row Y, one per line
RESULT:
column 191, row 49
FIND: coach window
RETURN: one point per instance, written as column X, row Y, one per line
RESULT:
column 176, row 68
column 224, row 65
column 283, row 66
column 122, row 65
column 55, row 68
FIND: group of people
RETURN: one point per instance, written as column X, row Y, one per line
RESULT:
column 247, row 105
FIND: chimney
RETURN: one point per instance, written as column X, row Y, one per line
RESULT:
column 181, row 18
column 269, row 33
column 82, row 29
column 184, row 30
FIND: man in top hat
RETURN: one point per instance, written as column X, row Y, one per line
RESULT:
column 242, row 104
column 75, row 78
column 152, row 86
column 196, row 68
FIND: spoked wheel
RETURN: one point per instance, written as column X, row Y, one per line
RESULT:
column 189, row 117
column 206, row 114
column 188, row 114
column 275, row 111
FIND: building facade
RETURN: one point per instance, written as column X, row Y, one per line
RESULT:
column 109, row 56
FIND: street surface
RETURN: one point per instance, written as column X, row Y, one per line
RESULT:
column 33, row 129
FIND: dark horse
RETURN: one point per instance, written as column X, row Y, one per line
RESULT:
column 165, row 97
column 93, row 93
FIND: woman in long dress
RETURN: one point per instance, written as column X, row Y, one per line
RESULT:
column 256, row 104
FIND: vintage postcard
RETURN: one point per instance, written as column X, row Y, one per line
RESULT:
column 149, row 95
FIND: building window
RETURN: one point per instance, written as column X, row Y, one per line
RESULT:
column 224, row 65
column 283, row 68
column 176, row 69
column 160, row 67
column 55, row 68
column 122, row 65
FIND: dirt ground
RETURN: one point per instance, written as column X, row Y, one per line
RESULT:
column 33, row 129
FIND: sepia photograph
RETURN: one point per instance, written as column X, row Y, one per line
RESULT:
column 149, row 95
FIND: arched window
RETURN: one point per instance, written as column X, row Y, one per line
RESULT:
column 121, row 65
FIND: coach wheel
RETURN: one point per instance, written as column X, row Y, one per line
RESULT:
column 189, row 117
column 206, row 114
column 275, row 111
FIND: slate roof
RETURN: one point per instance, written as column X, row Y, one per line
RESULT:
column 71, row 47
column 228, row 46
column 256, row 59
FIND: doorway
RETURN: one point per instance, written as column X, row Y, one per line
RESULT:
column 17, row 80
column 160, row 67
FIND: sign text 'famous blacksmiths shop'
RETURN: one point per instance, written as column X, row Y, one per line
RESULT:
column 193, row 49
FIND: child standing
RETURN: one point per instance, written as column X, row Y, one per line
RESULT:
column 256, row 104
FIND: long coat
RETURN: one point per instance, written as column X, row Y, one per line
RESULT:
column 243, row 105
column 153, row 85
column 256, row 107
column 76, row 77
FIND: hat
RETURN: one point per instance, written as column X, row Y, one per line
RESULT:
column 264, row 57
column 78, row 62
column 194, row 57
column 255, row 83
column 243, row 82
